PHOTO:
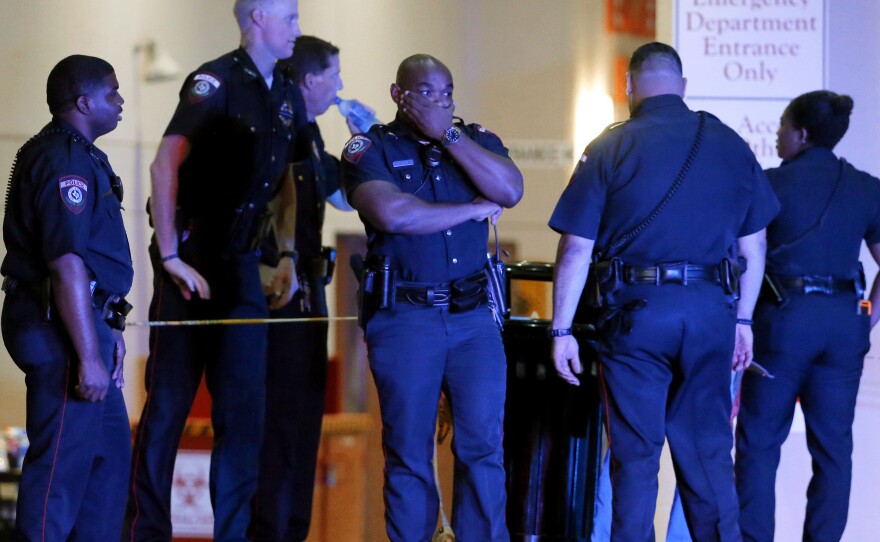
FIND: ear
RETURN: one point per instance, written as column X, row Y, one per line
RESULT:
column 82, row 104
column 396, row 92
column 629, row 85
column 684, row 86
column 308, row 81
column 258, row 15
column 803, row 136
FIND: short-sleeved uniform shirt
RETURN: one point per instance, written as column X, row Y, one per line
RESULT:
column 394, row 154
column 61, row 202
column 628, row 170
column 239, row 132
column 804, row 186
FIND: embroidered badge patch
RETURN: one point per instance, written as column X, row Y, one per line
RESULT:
column 355, row 148
column 481, row 128
column 579, row 165
column 74, row 190
column 286, row 113
column 202, row 86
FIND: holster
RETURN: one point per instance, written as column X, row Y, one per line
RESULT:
column 603, row 281
column 467, row 293
column 375, row 285
column 729, row 276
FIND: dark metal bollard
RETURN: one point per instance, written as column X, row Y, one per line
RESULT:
column 552, row 430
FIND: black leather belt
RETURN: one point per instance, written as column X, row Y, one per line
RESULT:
column 671, row 273
column 13, row 285
column 817, row 284
column 428, row 296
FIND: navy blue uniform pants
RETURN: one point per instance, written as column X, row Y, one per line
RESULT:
column 233, row 359
column 76, row 469
column 296, row 383
column 415, row 352
column 815, row 347
column 669, row 379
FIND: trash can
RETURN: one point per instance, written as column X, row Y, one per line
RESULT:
column 552, row 430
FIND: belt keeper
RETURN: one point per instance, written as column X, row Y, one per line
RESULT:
column 429, row 297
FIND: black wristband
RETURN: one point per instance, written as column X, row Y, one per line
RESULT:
column 292, row 254
column 559, row 332
column 744, row 321
column 172, row 256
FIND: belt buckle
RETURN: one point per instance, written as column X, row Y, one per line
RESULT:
column 818, row 284
column 673, row 273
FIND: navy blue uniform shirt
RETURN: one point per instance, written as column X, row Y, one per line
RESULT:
column 239, row 143
column 804, row 184
column 625, row 172
column 61, row 202
column 393, row 154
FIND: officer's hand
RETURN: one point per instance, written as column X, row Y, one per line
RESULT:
column 566, row 359
column 352, row 127
column 187, row 279
column 742, row 349
column 93, row 380
column 284, row 284
column 484, row 209
column 430, row 118
column 118, row 357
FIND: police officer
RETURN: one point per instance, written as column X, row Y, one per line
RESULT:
column 222, row 158
column 668, row 201
column 297, row 352
column 812, row 328
column 66, row 267
column 425, row 186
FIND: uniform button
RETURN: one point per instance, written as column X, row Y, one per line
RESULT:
column 250, row 205
column 299, row 177
column 273, row 157
column 436, row 177
column 253, row 129
column 448, row 232
column 407, row 176
column 265, row 185
column 454, row 260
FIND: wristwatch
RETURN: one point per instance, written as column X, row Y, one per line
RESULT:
column 559, row 332
column 450, row 136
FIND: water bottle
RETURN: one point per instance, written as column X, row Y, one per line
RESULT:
column 352, row 109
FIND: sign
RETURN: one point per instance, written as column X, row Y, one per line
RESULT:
column 746, row 59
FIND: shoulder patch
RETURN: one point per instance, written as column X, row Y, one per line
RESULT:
column 481, row 128
column 579, row 165
column 73, row 190
column 285, row 113
column 355, row 148
column 202, row 86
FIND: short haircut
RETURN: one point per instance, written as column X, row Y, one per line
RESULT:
column 242, row 9
column 310, row 55
column 655, row 55
column 74, row 76
column 415, row 61
column 823, row 114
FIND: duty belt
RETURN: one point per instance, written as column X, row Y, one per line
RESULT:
column 817, row 284
column 13, row 285
column 671, row 273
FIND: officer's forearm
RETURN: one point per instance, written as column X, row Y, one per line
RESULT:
column 753, row 249
column 497, row 177
column 569, row 276
column 163, row 199
column 73, row 300
column 285, row 219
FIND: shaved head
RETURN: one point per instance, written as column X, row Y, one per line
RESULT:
column 414, row 66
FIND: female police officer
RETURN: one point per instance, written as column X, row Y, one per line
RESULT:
column 812, row 329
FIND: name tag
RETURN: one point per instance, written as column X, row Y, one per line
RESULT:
column 402, row 163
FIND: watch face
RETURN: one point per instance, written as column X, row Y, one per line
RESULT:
column 452, row 135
